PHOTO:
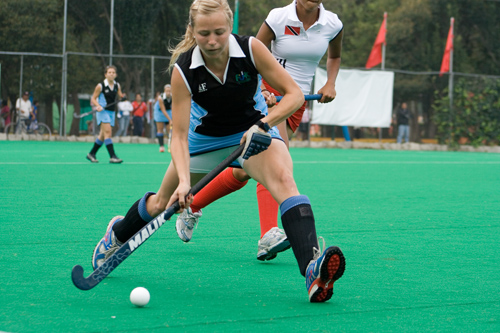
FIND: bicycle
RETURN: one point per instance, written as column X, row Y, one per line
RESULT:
column 34, row 128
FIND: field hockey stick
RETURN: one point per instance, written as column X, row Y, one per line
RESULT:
column 78, row 116
column 86, row 283
column 315, row 97
column 169, row 138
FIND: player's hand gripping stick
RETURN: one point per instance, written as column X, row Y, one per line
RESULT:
column 257, row 140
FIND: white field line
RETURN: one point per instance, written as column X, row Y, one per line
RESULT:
column 295, row 162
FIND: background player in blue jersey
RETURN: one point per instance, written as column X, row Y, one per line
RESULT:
column 163, row 114
column 217, row 104
column 104, row 100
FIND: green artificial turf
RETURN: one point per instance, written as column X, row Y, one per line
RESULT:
column 419, row 230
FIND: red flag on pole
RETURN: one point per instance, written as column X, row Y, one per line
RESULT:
column 445, row 64
column 375, row 57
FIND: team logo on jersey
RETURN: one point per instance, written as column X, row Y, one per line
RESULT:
column 242, row 77
column 202, row 87
column 294, row 31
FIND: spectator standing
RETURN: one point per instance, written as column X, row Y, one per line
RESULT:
column 124, row 109
column 140, row 109
column 5, row 114
column 24, row 109
column 34, row 116
column 403, row 116
column 36, row 107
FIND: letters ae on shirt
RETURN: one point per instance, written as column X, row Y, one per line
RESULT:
column 202, row 87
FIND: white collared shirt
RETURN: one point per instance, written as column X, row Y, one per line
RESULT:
column 24, row 107
column 298, row 50
column 126, row 107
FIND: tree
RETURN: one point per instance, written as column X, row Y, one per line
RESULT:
column 415, row 41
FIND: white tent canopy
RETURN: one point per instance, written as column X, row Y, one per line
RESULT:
column 364, row 99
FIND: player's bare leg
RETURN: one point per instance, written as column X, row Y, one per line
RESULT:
column 105, row 136
column 159, row 134
column 274, row 169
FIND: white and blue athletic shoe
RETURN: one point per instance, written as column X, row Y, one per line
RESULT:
column 107, row 245
column 186, row 222
column 273, row 242
column 323, row 271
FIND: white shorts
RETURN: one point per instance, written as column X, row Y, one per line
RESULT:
column 207, row 151
column 204, row 163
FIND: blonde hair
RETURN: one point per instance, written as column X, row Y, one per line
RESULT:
column 202, row 7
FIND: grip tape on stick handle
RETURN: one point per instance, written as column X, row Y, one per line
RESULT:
column 314, row 97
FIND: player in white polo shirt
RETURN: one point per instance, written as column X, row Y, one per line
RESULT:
column 299, row 36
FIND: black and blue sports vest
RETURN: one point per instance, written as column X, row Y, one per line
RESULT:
column 166, row 101
column 230, row 107
column 109, row 95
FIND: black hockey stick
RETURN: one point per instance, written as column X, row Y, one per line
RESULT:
column 314, row 97
column 86, row 283
column 78, row 116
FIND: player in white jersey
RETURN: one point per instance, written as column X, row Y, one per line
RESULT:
column 299, row 35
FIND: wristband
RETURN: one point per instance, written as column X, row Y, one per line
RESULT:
column 263, row 126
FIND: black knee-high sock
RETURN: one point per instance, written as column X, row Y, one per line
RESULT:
column 160, row 139
column 97, row 144
column 298, row 221
column 136, row 218
column 110, row 148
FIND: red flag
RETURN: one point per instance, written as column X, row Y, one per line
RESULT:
column 375, row 57
column 445, row 64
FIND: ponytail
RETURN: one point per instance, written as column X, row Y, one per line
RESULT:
column 185, row 45
column 204, row 7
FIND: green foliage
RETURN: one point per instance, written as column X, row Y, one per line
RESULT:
column 253, row 13
column 416, row 37
column 30, row 26
column 475, row 116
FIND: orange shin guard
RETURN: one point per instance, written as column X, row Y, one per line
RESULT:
column 268, row 209
column 222, row 185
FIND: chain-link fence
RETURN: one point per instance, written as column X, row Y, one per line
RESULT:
column 474, row 117
column 41, row 75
